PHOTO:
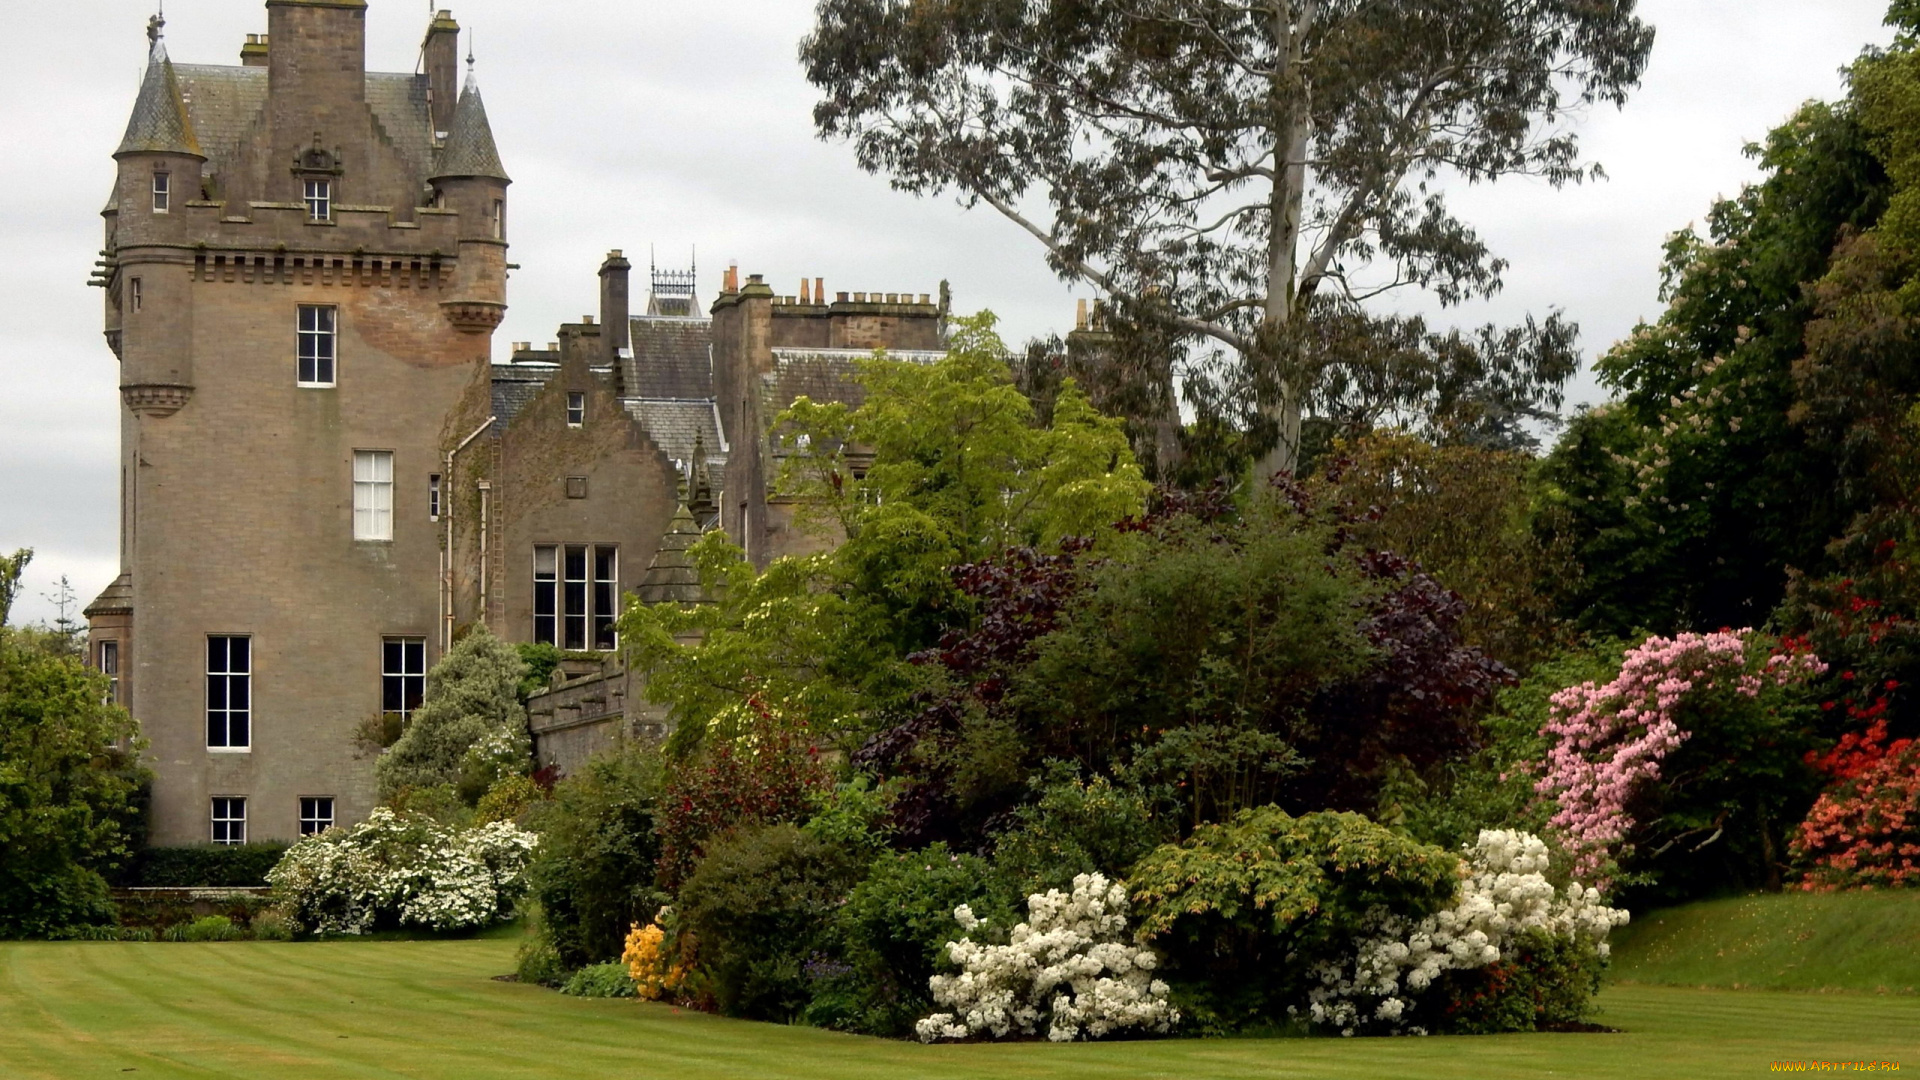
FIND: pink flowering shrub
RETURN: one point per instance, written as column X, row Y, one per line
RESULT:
column 1865, row 830
column 1698, row 736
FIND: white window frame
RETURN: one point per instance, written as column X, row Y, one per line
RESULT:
column 317, row 346
column 411, row 673
column 546, row 594
column 577, row 611
column 373, row 495
column 107, row 658
column 225, row 713
column 162, row 192
column 221, row 812
column 316, row 814
column 576, row 408
column 433, row 497
column 319, row 199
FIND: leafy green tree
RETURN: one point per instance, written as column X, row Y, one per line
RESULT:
column 1687, row 497
column 470, row 729
column 941, row 465
column 1244, row 174
column 69, row 785
column 593, row 872
column 12, row 567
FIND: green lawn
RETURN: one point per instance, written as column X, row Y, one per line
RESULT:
column 70, row 1011
column 1793, row 941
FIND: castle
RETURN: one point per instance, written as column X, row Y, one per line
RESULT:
column 325, row 477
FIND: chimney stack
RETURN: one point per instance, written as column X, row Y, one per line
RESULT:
column 254, row 52
column 441, row 54
column 1080, row 314
column 615, row 314
column 806, row 295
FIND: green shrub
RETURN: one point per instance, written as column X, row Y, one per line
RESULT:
column 69, row 784
column 593, row 873
column 204, row 866
column 892, row 936
column 1548, row 985
column 271, row 925
column 600, row 981
column 539, row 963
column 760, row 905
column 470, row 729
column 1076, row 827
column 212, row 928
column 1243, row 911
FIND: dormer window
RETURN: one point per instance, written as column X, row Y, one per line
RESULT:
column 162, row 192
column 319, row 195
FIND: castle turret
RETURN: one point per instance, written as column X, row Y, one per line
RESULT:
column 469, row 178
column 148, row 309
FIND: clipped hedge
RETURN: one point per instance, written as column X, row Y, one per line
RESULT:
column 202, row 866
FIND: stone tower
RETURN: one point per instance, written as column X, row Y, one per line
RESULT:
column 304, row 265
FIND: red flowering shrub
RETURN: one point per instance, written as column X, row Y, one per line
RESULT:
column 768, row 775
column 1865, row 829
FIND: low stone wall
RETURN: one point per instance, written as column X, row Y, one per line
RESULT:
column 586, row 712
column 169, row 907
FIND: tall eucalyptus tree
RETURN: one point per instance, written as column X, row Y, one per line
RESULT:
column 1242, row 170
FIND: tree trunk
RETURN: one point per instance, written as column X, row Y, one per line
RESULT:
column 1276, row 340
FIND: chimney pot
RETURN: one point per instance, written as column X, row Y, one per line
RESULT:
column 806, row 297
column 586, row 320
column 840, row 297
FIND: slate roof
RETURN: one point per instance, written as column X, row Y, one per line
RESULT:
column 116, row 599
column 514, row 385
column 228, row 104
column 159, row 123
column 825, row 374
column 675, row 425
column 672, row 359
column 672, row 578
column 470, row 150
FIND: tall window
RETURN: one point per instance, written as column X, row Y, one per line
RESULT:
column 229, row 819
column 135, row 295
column 576, row 595
column 576, row 408
column 499, row 219
column 162, row 192
column 403, row 674
column 319, row 200
column 545, row 592
column 229, row 693
column 373, row 495
column 318, row 341
column 433, row 497
column 606, row 595
column 316, row 814
column 109, row 661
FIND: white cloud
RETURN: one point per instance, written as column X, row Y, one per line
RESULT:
column 677, row 123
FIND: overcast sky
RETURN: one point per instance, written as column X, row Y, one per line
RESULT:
column 675, row 124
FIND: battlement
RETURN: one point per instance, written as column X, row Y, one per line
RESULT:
column 286, row 226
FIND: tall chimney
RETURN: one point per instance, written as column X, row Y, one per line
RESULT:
column 316, row 92
column 442, row 56
column 615, row 309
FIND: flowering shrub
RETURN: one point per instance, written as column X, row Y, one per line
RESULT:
column 1865, row 830
column 402, row 871
column 1610, row 742
column 653, row 971
column 769, row 774
column 1068, row 966
column 1505, row 909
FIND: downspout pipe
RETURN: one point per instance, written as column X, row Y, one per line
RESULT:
column 446, row 550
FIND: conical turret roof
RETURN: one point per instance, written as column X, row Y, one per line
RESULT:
column 672, row 578
column 469, row 150
column 159, row 124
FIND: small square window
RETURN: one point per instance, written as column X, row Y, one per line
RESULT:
column 162, row 192
column 319, row 196
column 229, row 819
column 316, row 814
column 576, row 408
column 576, row 487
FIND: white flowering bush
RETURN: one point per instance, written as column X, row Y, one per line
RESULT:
column 1506, row 911
column 1069, row 967
column 395, row 870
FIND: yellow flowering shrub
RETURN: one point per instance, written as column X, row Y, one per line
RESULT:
column 648, row 964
